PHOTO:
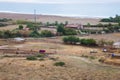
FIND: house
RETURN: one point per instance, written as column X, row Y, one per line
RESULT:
column 74, row 26
column 116, row 45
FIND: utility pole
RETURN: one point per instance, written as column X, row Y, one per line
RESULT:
column 35, row 15
column 35, row 19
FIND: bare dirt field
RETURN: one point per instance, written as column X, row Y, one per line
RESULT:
column 51, row 18
column 76, row 67
column 54, row 47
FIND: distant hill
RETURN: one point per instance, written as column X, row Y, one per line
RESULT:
column 49, row 18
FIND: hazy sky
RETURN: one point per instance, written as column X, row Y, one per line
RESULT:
column 63, row 1
column 88, row 8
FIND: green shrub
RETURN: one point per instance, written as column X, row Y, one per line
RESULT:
column 40, row 55
column 59, row 64
column 71, row 39
column 46, row 33
column 69, row 31
column 84, row 56
column 31, row 58
column 88, row 42
column 34, row 33
column 92, row 57
column 20, row 27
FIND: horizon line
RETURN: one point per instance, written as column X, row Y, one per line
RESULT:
column 62, row 15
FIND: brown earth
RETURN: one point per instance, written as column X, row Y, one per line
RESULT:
column 75, row 69
column 50, row 18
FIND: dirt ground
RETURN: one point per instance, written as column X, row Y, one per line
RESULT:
column 58, row 48
column 76, row 67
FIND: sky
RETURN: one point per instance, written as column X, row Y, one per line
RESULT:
column 76, row 8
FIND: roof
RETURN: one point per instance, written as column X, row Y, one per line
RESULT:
column 116, row 43
column 73, row 25
column 19, row 39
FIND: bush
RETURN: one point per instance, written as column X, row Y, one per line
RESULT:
column 20, row 27
column 34, row 34
column 88, row 42
column 69, row 31
column 75, row 40
column 85, row 56
column 71, row 39
column 92, row 57
column 46, row 33
column 59, row 64
column 40, row 55
column 3, row 24
column 5, row 20
column 31, row 58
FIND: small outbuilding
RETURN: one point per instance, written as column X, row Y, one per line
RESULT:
column 116, row 45
column 18, row 40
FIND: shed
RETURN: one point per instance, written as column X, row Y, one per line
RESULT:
column 18, row 40
column 116, row 45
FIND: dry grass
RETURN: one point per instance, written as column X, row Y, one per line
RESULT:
column 75, row 69
column 50, row 18
column 3, row 42
column 9, row 27
column 55, row 48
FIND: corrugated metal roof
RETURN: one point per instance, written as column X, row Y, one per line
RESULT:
column 116, row 43
column 19, row 39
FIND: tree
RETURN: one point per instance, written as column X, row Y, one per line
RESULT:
column 47, row 24
column 71, row 39
column 66, row 22
column 100, row 25
column 34, row 34
column 88, row 24
column 118, row 23
column 56, row 23
column 30, row 26
column 111, row 19
column 20, row 27
column 1, row 34
column 68, row 31
column 65, row 40
column 60, row 29
column 46, row 33
column 7, row 34
column 88, row 42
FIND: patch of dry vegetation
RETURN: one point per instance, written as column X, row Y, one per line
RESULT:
column 9, row 27
column 75, row 69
